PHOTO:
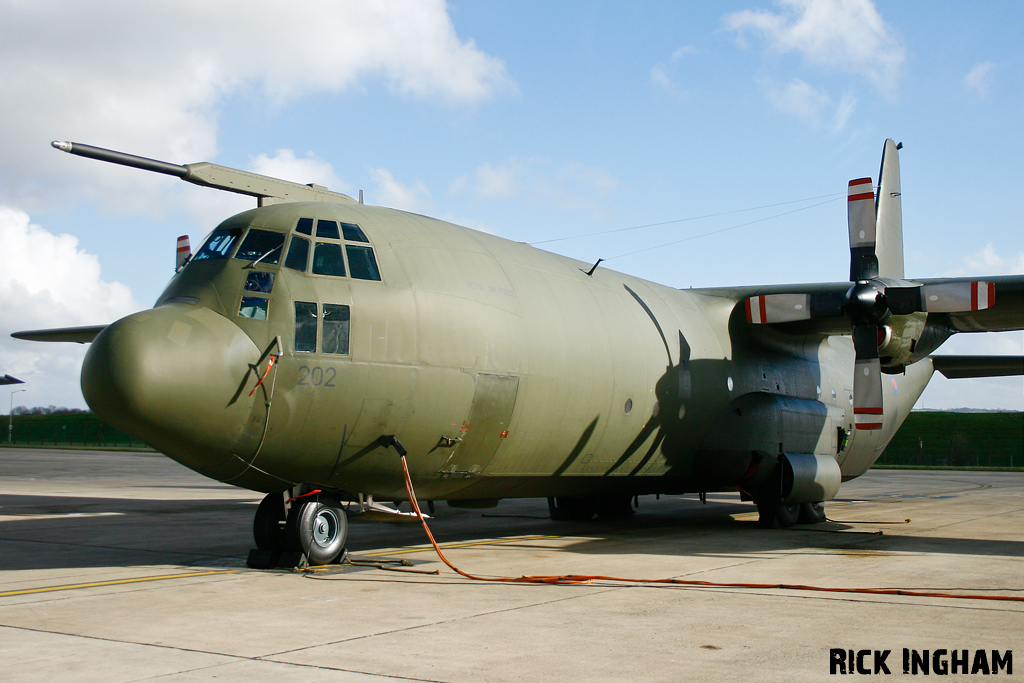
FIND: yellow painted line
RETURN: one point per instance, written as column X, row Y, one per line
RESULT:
column 118, row 582
column 459, row 545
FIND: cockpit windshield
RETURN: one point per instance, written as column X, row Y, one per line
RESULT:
column 219, row 244
column 261, row 245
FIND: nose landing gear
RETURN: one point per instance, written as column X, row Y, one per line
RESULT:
column 316, row 526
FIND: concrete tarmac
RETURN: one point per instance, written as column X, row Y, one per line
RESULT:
column 128, row 567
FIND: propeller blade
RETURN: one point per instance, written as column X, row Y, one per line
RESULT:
column 766, row 309
column 945, row 297
column 860, row 212
column 777, row 308
column 957, row 297
column 867, row 378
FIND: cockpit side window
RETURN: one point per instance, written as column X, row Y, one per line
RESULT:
column 261, row 245
column 362, row 262
column 298, row 254
column 219, row 244
column 305, row 326
column 336, row 328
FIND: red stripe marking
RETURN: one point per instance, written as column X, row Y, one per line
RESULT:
column 991, row 294
column 858, row 197
column 750, row 317
column 974, row 296
column 869, row 425
column 761, row 306
column 864, row 410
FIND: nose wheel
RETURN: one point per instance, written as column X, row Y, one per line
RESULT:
column 316, row 526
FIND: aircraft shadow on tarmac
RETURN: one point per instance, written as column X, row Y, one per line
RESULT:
column 39, row 532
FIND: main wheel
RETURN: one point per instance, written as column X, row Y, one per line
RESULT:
column 319, row 526
column 775, row 515
column 268, row 526
column 812, row 513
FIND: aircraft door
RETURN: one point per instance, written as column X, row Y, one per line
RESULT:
column 487, row 424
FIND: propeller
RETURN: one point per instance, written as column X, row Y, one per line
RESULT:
column 878, row 290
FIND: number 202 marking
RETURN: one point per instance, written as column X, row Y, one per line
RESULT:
column 316, row 376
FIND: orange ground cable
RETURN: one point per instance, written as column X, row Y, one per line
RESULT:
column 579, row 579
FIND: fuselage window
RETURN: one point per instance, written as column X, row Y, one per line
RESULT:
column 305, row 326
column 327, row 259
column 259, row 282
column 353, row 233
column 298, row 254
column 327, row 229
column 336, row 328
column 261, row 245
column 362, row 262
column 255, row 307
column 305, row 226
column 219, row 245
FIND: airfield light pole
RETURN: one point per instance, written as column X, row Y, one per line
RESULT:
column 10, row 416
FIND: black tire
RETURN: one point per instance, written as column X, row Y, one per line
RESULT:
column 812, row 513
column 319, row 527
column 787, row 515
column 767, row 517
column 570, row 508
column 268, row 526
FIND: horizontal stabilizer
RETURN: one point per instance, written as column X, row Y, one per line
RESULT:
column 81, row 335
column 7, row 379
column 962, row 367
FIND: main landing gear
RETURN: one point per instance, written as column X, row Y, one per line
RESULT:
column 775, row 514
column 316, row 526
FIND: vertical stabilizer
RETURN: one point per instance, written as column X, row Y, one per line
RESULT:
column 889, row 213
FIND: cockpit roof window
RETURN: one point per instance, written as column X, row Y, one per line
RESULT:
column 327, row 229
column 219, row 244
column 353, row 233
column 261, row 245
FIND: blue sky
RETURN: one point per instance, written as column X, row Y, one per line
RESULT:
column 533, row 121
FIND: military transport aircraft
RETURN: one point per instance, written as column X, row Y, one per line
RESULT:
column 310, row 338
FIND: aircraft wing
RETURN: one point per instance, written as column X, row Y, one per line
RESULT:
column 7, row 379
column 81, row 335
column 960, row 367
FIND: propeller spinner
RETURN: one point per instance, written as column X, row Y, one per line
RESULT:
column 876, row 293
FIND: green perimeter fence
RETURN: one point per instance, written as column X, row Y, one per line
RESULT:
column 71, row 430
column 926, row 439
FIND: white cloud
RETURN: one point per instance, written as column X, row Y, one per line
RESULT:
column 573, row 186
column 988, row 261
column 396, row 195
column 150, row 77
column 286, row 166
column 848, row 36
column 979, row 79
column 800, row 99
column 47, row 280
column 661, row 73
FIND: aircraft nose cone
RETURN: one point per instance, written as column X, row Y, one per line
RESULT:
column 172, row 377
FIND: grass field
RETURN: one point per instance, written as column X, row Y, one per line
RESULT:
column 937, row 439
